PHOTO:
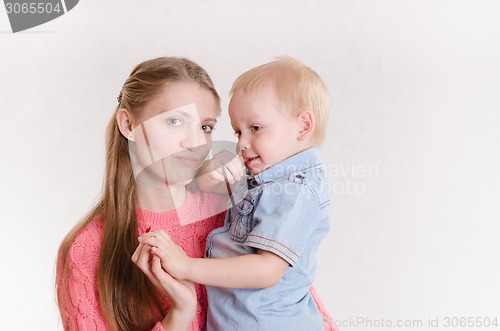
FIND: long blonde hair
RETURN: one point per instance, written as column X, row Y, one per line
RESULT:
column 127, row 298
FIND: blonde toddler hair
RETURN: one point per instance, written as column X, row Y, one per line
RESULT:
column 296, row 86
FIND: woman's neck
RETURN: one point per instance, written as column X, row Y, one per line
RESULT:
column 161, row 199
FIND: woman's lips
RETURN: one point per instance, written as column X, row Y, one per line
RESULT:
column 188, row 160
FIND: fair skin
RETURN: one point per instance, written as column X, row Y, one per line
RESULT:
column 223, row 168
column 267, row 134
column 172, row 132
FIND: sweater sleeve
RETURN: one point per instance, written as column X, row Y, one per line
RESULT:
column 158, row 327
column 327, row 319
column 81, row 310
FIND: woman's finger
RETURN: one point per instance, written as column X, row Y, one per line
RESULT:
column 148, row 240
column 143, row 258
column 180, row 293
column 155, row 233
column 157, row 238
column 163, row 236
column 164, row 279
column 137, row 253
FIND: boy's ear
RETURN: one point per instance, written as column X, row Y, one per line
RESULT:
column 124, row 122
column 306, row 125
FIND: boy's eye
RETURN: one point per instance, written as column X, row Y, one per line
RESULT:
column 255, row 128
column 174, row 121
column 207, row 128
column 237, row 133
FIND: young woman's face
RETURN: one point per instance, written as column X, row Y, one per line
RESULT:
column 173, row 135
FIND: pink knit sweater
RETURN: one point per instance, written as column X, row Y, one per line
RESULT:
column 84, row 312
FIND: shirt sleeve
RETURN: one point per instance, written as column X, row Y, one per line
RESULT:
column 285, row 218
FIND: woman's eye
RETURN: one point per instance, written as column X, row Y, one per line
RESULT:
column 255, row 128
column 207, row 128
column 174, row 121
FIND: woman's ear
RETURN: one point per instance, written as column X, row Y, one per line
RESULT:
column 306, row 125
column 124, row 121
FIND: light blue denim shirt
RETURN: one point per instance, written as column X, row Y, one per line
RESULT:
column 285, row 211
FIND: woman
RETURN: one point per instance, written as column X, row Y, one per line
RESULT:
column 166, row 111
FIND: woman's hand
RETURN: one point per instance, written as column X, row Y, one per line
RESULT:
column 173, row 259
column 180, row 293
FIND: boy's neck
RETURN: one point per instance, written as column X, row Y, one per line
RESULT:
column 298, row 151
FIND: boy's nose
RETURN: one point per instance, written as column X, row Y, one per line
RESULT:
column 243, row 143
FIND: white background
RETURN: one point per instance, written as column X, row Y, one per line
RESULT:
column 412, row 144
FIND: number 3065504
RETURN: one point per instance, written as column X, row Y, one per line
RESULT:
column 32, row 8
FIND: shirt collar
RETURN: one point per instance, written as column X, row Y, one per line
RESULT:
column 296, row 163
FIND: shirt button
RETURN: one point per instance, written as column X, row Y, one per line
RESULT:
column 300, row 177
column 252, row 182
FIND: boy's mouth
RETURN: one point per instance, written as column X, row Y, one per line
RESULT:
column 249, row 160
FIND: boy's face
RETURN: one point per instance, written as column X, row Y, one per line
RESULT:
column 266, row 135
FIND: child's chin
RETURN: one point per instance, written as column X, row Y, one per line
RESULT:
column 255, row 171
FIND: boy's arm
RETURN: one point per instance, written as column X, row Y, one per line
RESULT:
column 260, row 270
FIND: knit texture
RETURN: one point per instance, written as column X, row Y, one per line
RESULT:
column 83, row 312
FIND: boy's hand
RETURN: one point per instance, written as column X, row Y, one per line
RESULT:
column 173, row 259
column 223, row 166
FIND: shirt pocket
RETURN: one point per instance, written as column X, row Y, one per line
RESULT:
column 242, row 220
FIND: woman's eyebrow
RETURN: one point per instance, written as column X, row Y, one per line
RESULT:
column 186, row 114
column 182, row 112
column 209, row 119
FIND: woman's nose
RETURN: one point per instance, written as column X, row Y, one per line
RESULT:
column 194, row 139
